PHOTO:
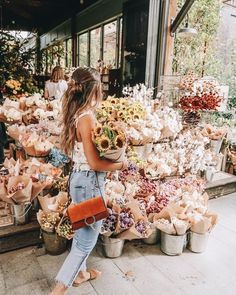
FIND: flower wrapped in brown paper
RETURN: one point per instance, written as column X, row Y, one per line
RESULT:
column 54, row 204
column 172, row 220
column 3, row 192
column 127, row 216
column 19, row 189
column 214, row 133
column 48, row 221
column 140, row 230
column 205, row 223
column 8, row 103
column 35, row 145
column 14, row 131
column 110, row 141
column 174, row 226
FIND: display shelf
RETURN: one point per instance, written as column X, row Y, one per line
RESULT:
column 19, row 236
column 222, row 184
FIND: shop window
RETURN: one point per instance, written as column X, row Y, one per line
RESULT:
column 83, row 49
column 69, row 53
column 120, row 41
column 95, row 45
column 109, row 44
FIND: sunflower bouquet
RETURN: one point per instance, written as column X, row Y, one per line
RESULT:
column 110, row 140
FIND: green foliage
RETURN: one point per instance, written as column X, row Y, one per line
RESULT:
column 198, row 52
column 17, row 61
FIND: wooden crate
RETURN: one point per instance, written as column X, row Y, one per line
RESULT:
column 6, row 216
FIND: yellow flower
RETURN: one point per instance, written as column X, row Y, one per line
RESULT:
column 103, row 143
column 120, row 141
column 98, row 131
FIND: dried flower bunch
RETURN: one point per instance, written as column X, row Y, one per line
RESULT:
column 64, row 229
column 126, row 219
column 214, row 133
column 19, row 186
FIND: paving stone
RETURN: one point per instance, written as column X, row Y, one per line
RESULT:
column 20, row 268
column 39, row 287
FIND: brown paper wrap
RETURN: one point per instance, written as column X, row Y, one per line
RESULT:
column 205, row 225
column 115, row 155
column 51, row 204
column 135, row 210
column 132, row 233
column 24, row 195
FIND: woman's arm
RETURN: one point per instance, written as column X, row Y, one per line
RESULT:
column 86, row 126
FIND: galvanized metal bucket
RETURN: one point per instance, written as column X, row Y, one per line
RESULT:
column 21, row 213
column 172, row 245
column 112, row 247
column 197, row 242
column 154, row 238
column 54, row 244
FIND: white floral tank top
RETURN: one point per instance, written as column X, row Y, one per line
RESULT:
column 79, row 158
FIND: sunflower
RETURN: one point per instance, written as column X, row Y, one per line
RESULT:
column 113, row 100
column 119, row 141
column 137, row 116
column 120, row 114
column 98, row 131
column 104, row 143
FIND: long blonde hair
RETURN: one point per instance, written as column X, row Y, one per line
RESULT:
column 57, row 74
column 85, row 88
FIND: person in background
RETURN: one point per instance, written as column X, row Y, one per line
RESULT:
column 56, row 87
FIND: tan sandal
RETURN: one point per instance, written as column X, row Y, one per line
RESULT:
column 84, row 276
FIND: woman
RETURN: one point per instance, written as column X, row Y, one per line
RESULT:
column 88, row 177
column 56, row 87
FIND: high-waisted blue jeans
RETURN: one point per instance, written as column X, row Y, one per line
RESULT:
column 83, row 185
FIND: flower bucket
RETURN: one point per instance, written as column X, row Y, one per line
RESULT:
column 21, row 213
column 197, row 242
column 216, row 145
column 154, row 238
column 54, row 244
column 172, row 245
column 112, row 247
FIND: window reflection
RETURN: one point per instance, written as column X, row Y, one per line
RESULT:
column 83, row 50
column 109, row 44
column 95, row 45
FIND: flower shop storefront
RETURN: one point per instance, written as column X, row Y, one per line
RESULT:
column 173, row 143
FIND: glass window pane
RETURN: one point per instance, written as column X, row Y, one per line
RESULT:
column 83, row 50
column 69, row 53
column 95, row 44
column 109, row 45
column 120, row 42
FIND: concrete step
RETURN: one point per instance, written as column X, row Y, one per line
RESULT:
column 14, row 237
column 222, row 184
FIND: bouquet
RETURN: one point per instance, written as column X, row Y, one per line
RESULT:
column 110, row 142
column 214, row 133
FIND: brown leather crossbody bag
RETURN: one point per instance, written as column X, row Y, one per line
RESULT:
column 87, row 212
